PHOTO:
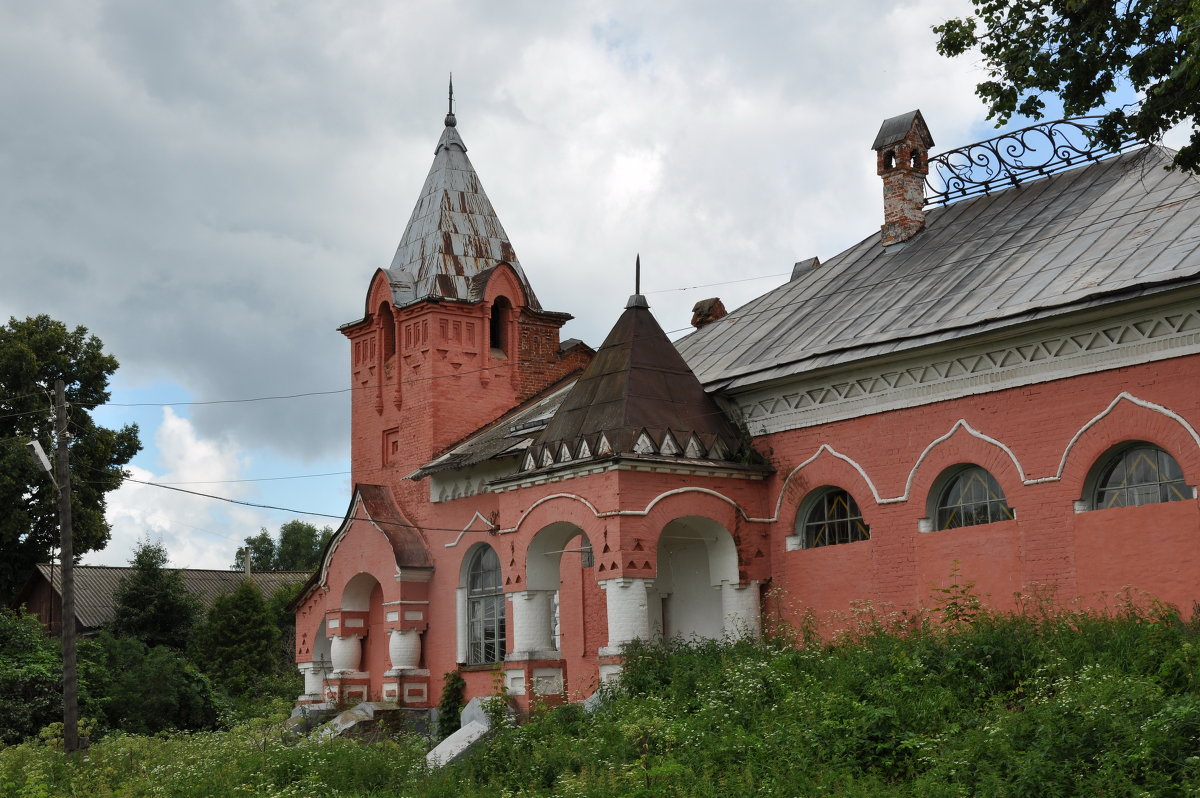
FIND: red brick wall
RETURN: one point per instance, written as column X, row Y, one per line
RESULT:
column 1039, row 442
column 1087, row 556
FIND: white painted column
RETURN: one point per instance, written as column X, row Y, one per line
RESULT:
column 532, row 623
column 460, row 633
column 629, row 612
column 345, row 652
column 314, row 676
column 740, row 611
column 404, row 649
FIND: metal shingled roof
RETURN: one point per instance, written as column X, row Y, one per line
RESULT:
column 637, row 382
column 453, row 233
column 1081, row 238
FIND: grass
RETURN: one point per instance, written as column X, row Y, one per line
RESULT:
column 976, row 704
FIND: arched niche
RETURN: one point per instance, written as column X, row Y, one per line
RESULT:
column 544, row 556
column 356, row 595
column 697, row 558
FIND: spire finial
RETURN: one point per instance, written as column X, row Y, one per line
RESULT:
column 450, row 120
column 637, row 300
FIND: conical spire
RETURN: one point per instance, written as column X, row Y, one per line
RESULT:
column 453, row 234
column 637, row 397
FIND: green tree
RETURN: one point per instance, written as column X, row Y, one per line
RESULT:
column 262, row 553
column 152, row 604
column 298, row 548
column 237, row 643
column 35, row 352
column 146, row 690
column 30, row 678
column 1081, row 52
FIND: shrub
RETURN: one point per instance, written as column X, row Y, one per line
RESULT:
column 30, row 678
column 147, row 690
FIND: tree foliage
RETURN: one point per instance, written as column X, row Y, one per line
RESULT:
column 151, row 603
column 148, row 689
column 237, row 644
column 34, row 352
column 30, row 678
column 1082, row 51
column 298, row 548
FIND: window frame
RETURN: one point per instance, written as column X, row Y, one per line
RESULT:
column 819, row 500
column 950, row 481
column 1117, row 456
column 485, row 621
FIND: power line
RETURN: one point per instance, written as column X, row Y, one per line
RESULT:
column 258, row 479
column 259, row 506
column 314, row 393
column 726, row 282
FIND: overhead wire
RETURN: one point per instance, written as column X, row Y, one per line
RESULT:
column 261, row 506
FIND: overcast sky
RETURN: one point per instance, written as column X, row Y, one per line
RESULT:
column 208, row 187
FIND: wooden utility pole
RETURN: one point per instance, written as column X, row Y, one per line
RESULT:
column 70, row 679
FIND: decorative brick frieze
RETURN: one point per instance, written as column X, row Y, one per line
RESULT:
column 1033, row 358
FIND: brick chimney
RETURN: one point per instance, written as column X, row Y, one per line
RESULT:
column 706, row 311
column 902, row 160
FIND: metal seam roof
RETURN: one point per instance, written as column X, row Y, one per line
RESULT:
column 1045, row 246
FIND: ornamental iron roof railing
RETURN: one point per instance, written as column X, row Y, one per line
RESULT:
column 1016, row 157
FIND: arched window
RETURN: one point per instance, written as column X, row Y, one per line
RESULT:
column 485, row 608
column 830, row 516
column 970, row 496
column 498, row 327
column 387, row 323
column 1138, row 474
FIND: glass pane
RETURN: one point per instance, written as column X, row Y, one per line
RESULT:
column 1138, row 476
column 834, row 518
column 972, row 497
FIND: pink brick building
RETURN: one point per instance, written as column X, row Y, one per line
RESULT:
column 1002, row 380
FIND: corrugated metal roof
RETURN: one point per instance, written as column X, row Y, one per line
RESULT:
column 453, row 233
column 95, row 586
column 1081, row 238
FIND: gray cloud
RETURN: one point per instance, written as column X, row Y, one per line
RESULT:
column 209, row 186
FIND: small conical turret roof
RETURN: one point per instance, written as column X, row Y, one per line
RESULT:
column 639, row 398
column 453, row 234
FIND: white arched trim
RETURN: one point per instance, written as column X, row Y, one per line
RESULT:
column 827, row 449
column 340, row 535
column 477, row 524
column 966, row 427
column 834, row 453
column 1102, row 414
column 595, row 513
column 963, row 425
